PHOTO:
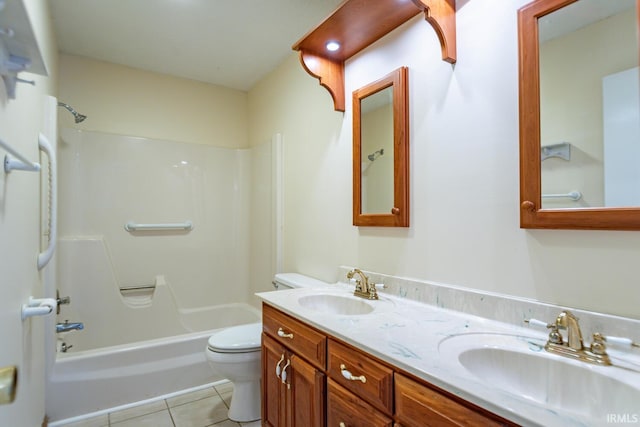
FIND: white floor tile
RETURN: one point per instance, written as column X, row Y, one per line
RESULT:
column 224, row 388
column 157, row 419
column 252, row 424
column 191, row 397
column 201, row 413
column 99, row 421
column 227, row 423
column 137, row 411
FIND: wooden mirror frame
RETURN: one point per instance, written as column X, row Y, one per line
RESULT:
column 399, row 212
column 532, row 215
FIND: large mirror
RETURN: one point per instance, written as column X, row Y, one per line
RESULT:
column 381, row 151
column 579, row 114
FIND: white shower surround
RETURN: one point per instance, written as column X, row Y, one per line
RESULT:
column 108, row 180
column 201, row 277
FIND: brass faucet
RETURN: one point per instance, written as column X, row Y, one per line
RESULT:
column 364, row 288
column 574, row 347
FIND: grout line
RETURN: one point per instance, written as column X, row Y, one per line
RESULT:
column 170, row 414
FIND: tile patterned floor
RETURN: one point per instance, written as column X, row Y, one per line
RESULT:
column 202, row 408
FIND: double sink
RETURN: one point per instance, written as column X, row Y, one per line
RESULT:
column 514, row 364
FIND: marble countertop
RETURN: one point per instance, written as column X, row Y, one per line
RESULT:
column 409, row 335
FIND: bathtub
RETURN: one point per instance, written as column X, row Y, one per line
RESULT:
column 90, row 381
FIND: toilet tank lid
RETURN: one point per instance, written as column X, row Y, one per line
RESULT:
column 237, row 338
column 297, row 280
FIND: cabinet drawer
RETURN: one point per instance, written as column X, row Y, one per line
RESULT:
column 346, row 409
column 419, row 406
column 298, row 337
column 377, row 388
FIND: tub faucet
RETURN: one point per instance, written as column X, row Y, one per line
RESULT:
column 66, row 326
column 364, row 288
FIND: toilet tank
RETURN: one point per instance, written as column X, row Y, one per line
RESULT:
column 295, row 280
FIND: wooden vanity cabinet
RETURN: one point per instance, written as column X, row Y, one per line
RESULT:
column 293, row 383
column 346, row 409
column 370, row 380
column 420, row 406
column 324, row 382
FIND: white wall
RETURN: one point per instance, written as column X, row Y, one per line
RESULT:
column 464, row 174
column 21, row 120
column 128, row 101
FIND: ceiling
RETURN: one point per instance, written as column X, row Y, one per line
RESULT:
column 232, row 43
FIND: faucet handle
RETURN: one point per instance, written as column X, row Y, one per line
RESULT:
column 538, row 323
column 598, row 344
column 554, row 335
column 622, row 342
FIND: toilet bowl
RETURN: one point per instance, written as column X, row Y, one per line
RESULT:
column 234, row 353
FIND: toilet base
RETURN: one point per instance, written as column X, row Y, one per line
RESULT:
column 245, row 401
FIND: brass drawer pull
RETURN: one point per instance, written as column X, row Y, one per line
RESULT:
column 278, row 368
column 348, row 375
column 282, row 334
column 284, row 373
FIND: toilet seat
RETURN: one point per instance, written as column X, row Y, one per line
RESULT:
column 237, row 339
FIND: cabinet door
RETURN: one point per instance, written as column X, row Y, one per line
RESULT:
column 306, row 394
column 344, row 409
column 273, row 390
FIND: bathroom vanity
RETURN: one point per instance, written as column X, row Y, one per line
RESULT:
column 301, row 365
column 465, row 358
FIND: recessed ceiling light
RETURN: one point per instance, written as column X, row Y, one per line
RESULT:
column 332, row 46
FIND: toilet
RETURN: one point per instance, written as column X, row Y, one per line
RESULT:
column 234, row 353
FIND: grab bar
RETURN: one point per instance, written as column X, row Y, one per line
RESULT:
column 20, row 164
column 132, row 226
column 45, row 257
column 573, row 195
column 137, row 288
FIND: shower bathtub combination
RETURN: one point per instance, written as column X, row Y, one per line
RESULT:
column 149, row 298
column 94, row 380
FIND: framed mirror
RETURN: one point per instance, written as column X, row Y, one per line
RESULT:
column 381, row 152
column 579, row 114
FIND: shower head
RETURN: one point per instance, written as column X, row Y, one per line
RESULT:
column 375, row 154
column 78, row 117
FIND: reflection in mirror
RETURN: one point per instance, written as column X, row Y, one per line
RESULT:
column 579, row 114
column 380, row 152
column 376, row 139
column 589, row 104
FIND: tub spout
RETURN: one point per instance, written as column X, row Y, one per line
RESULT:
column 66, row 326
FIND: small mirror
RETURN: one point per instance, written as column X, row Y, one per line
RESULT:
column 579, row 114
column 381, row 151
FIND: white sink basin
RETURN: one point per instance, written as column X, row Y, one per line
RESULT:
column 341, row 302
column 336, row 304
column 521, row 366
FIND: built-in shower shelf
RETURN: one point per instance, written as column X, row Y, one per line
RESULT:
column 19, row 50
column 561, row 150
